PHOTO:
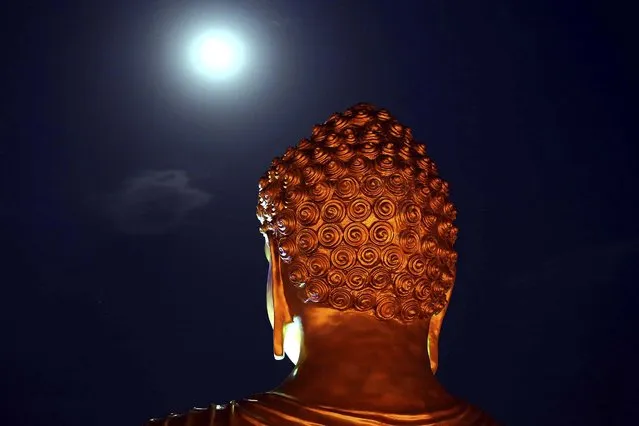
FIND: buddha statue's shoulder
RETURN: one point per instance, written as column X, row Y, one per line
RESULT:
column 245, row 412
column 473, row 416
column 262, row 409
column 213, row 415
column 272, row 409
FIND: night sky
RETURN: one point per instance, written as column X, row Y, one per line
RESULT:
column 132, row 270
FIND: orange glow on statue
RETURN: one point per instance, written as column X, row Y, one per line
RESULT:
column 359, row 237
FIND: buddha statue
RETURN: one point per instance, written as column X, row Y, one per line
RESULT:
column 359, row 236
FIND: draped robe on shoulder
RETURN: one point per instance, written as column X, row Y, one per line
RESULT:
column 273, row 409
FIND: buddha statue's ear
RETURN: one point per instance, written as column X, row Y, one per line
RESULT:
column 281, row 313
column 434, row 329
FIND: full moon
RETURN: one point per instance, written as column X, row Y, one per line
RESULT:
column 217, row 55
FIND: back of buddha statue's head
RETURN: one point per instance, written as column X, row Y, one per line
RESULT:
column 361, row 218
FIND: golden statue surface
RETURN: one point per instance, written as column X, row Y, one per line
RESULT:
column 359, row 236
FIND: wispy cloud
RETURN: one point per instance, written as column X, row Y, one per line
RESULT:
column 153, row 202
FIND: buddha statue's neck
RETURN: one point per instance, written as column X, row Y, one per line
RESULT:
column 355, row 360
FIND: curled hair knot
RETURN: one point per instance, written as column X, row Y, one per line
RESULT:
column 355, row 234
column 333, row 211
column 359, row 209
column 347, row 188
column 387, row 307
column 340, row 298
column 320, row 192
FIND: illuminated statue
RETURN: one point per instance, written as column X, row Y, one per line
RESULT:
column 359, row 237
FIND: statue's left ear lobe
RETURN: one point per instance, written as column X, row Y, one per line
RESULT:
column 434, row 328
column 281, row 313
column 433, row 343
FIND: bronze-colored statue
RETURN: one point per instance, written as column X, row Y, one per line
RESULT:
column 359, row 237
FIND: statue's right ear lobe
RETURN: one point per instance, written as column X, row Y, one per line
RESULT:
column 281, row 313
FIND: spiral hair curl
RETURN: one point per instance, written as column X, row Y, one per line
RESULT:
column 362, row 217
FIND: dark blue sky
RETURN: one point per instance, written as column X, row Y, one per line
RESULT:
column 133, row 272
